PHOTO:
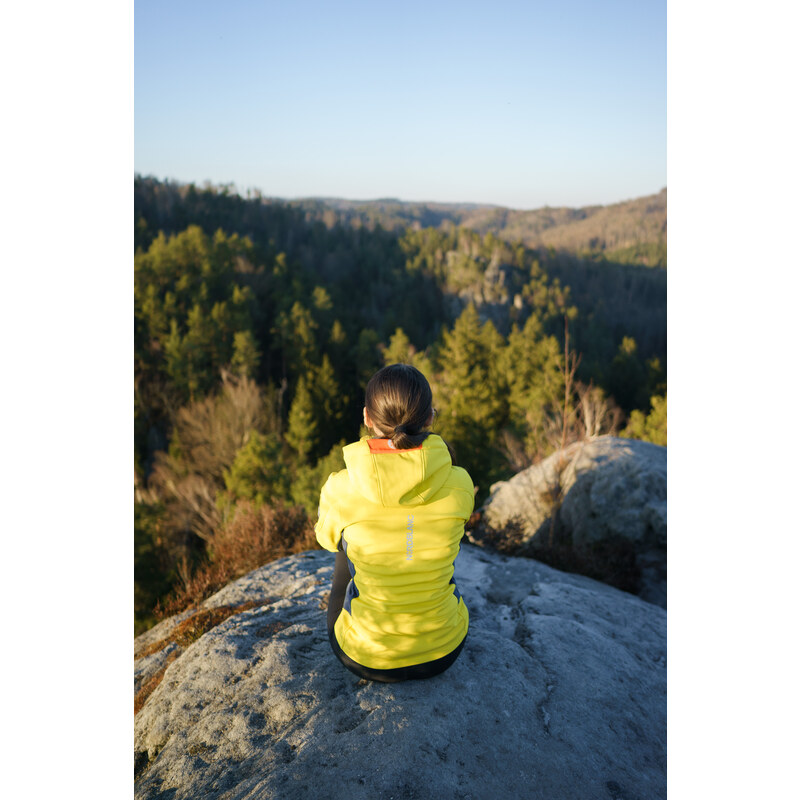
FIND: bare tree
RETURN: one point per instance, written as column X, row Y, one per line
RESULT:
column 597, row 414
column 207, row 435
column 571, row 362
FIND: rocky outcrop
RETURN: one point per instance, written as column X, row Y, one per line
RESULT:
column 604, row 493
column 560, row 692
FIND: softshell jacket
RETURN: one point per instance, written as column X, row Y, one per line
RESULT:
column 399, row 515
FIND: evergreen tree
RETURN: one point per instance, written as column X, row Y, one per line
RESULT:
column 400, row 349
column 366, row 355
column 187, row 308
column 297, row 331
column 309, row 479
column 302, row 431
column 198, row 347
column 650, row 428
column 535, row 379
column 338, row 349
column 177, row 366
column 338, row 336
column 656, row 377
column 323, row 307
column 330, row 404
column 471, row 393
column 258, row 473
column 245, row 354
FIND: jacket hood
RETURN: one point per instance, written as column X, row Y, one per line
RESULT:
column 390, row 477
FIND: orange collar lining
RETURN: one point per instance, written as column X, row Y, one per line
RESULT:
column 385, row 446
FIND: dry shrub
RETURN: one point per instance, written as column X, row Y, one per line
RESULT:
column 194, row 588
column 255, row 535
column 193, row 627
column 598, row 415
column 206, row 437
column 252, row 536
column 210, row 431
column 150, row 685
column 507, row 540
column 587, row 414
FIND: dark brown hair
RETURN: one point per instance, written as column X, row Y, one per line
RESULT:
column 399, row 402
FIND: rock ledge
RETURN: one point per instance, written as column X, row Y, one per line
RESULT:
column 560, row 692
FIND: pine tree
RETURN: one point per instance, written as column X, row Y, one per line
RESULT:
column 309, row 479
column 471, row 394
column 400, row 349
column 245, row 354
column 297, row 331
column 650, row 428
column 198, row 348
column 329, row 402
column 532, row 369
column 366, row 355
column 338, row 350
column 187, row 307
column 301, row 434
column 257, row 474
column 176, row 363
column 338, row 334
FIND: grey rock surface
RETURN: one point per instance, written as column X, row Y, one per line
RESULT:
column 559, row 692
column 607, row 489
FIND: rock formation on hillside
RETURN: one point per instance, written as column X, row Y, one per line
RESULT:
column 604, row 492
column 559, row 693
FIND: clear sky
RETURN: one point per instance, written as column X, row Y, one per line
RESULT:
column 521, row 104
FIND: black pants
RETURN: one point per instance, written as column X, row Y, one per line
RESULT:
column 341, row 577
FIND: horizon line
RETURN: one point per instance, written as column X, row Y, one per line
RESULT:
column 243, row 193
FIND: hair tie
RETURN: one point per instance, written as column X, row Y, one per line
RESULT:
column 401, row 429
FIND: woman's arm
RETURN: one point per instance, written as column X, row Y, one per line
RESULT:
column 328, row 528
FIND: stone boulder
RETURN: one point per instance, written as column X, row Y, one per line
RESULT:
column 559, row 693
column 608, row 496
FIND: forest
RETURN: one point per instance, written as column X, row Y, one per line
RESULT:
column 259, row 321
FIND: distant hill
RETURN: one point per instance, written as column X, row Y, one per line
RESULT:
column 633, row 231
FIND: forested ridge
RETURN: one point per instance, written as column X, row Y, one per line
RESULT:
column 258, row 323
column 633, row 231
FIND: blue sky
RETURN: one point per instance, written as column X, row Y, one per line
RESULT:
column 522, row 104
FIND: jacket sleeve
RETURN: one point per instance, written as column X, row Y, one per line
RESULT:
column 464, row 482
column 328, row 528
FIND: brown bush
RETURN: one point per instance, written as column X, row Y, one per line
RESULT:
column 149, row 686
column 206, row 437
column 251, row 537
column 255, row 535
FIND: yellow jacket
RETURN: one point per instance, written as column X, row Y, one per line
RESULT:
column 400, row 516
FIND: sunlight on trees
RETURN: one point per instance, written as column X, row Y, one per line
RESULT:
column 221, row 320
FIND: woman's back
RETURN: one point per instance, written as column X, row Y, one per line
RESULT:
column 400, row 515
